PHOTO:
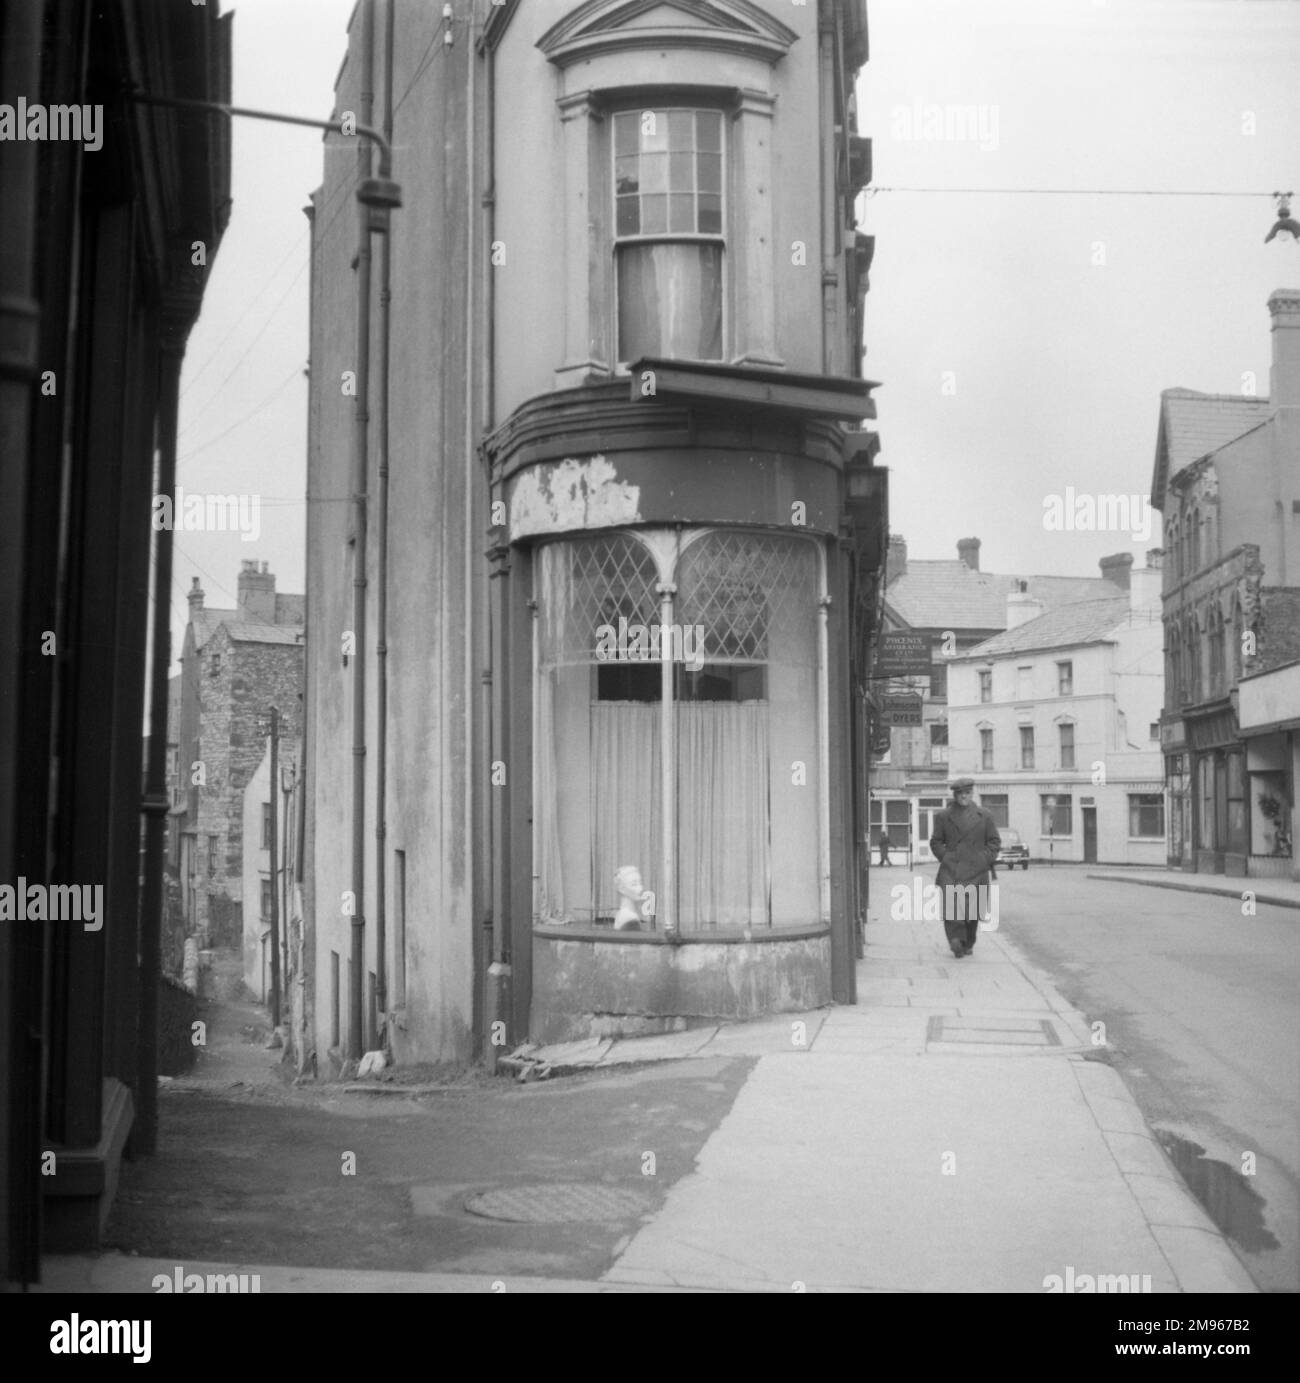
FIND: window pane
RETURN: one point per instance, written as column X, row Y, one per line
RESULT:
column 710, row 171
column 709, row 129
column 654, row 173
column 681, row 212
column 710, row 214
column 654, row 215
column 627, row 175
column 629, row 215
column 626, row 140
column 654, row 131
column 681, row 134
column 670, row 301
column 680, row 177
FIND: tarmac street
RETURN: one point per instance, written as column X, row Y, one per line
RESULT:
column 959, row 1130
column 1201, row 1002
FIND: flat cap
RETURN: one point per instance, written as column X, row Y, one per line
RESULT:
column 958, row 784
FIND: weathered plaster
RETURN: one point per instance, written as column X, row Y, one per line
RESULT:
column 570, row 495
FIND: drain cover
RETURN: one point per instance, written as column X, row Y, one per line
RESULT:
column 550, row 1203
column 1000, row 1030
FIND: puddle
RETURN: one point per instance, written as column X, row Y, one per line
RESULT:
column 1228, row 1197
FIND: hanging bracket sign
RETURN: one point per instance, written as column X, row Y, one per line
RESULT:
column 902, row 655
column 904, row 709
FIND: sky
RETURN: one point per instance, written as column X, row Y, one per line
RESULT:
column 1022, row 340
column 1021, row 337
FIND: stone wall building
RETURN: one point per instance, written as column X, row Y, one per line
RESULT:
column 236, row 664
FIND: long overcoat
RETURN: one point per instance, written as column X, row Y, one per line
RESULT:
column 966, row 844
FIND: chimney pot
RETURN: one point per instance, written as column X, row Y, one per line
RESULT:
column 195, row 595
column 1116, row 567
column 968, row 549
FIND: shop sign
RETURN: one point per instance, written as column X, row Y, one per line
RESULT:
column 900, row 654
column 904, row 709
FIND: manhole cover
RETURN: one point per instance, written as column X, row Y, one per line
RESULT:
column 558, row 1203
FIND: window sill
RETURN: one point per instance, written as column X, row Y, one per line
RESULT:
column 583, row 932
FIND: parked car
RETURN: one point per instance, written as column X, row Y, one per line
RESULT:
column 1014, row 851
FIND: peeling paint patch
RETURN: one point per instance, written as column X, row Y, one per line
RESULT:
column 571, row 494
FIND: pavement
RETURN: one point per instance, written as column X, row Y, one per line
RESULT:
column 956, row 1130
column 1282, row 893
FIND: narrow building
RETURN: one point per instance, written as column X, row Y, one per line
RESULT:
column 587, row 648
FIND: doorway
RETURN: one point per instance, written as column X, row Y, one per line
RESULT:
column 1090, row 835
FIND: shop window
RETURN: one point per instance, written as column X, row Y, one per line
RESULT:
column 999, row 807
column 740, row 708
column 1146, row 814
column 1058, row 815
column 669, row 177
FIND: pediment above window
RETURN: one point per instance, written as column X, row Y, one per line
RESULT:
column 609, row 26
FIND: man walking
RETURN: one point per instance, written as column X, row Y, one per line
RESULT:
column 966, row 844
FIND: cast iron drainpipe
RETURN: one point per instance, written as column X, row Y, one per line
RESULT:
column 376, row 197
column 381, row 593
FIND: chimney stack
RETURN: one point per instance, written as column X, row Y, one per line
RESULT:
column 968, row 549
column 1284, row 376
column 1145, row 584
column 257, row 592
column 1022, row 607
column 195, row 597
column 1115, row 569
column 896, row 558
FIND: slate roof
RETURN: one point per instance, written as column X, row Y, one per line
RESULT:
column 290, row 613
column 1087, row 621
column 947, row 594
column 265, row 633
column 1193, row 424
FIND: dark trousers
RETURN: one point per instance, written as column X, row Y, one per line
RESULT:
column 961, row 931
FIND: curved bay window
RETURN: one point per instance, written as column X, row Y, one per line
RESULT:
column 704, row 640
column 669, row 238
